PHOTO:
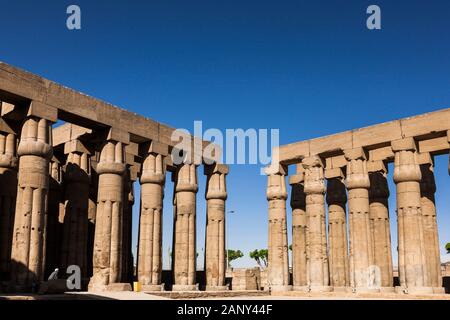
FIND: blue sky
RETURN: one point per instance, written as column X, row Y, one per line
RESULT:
column 308, row 68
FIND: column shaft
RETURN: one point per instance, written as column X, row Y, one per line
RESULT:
column 316, row 242
column 431, row 238
column 413, row 271
column 298, row 205
column 107, row 247
column 28, row 251
column 8, row 181
column 216, row 194
column 150, row 223
column 75, row 219
column 337, row 233
column 361, row 243
column 184, row 249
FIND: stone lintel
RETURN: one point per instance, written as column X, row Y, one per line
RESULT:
column 404, row 145
column 355, row 154
column 215, row 168
column 425, row 158
column 276, row 169
column 75, row 146
column 119, row 135
column 376, row 166
column 6, row 108
column 155, row 147
column 334, row 173
column 296, row 178
column 313, row 161
column 448, row 135
column 43, row 111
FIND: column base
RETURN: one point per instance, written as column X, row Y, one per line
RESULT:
column 320, row 289
column 280, row 288
column 152, row 287
column 342, row 289
column 185, row 287
column 439, row 290
column 387, row 289
column 114, row 287
column 300, row 288
column 419, row 290
column 365, row 290
column 399, row 289
column 217, row 288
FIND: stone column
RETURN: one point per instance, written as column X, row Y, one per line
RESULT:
column 150, row 224
column 278, row 263
column 184, row 248
column 55, row 218
column 413, row 271
column 108, row 224
column 337, row 230
column 362, row 273
column 431, row 238
column 28, row 250
column 316, row 240
column 298, row 205
column 379, row 225
column 128, row 201
column 76, row 207
column 8, row 191
column 216, row 194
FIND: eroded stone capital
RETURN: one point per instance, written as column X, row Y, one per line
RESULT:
column 36, row 138
column 357, row 174
column 112, row 158
column 8, row 155
column 154, row 169
column 406, row 167
column 276, row 187
column 216, row 181
column 186, row 178
column 314, row 175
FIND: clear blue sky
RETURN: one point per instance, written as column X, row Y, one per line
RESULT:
column 308, row 68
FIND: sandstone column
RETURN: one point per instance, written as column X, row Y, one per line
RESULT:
column 8, row 191
column 150, row 223
column 431, row 239
column 128, row 201
column 216, row 194
column 298, row 205
column 76, row 205
column 278, row 263
column 337, row 230
column 28, row 250
column 362, row 272
column 316, row 241
column 55, row 217
column 413, row 271
column 184, row 249
column 108, row 225
column 379, row 225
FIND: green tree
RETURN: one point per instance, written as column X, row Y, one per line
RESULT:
column 260, row 256
column 233, row 255
column 447, row 247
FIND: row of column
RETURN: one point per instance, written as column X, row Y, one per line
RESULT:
column 28, row 174
column 361, row 261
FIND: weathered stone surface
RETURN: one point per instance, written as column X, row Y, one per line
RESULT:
column 28, row 250
column 216, row 194
column 278, row 264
